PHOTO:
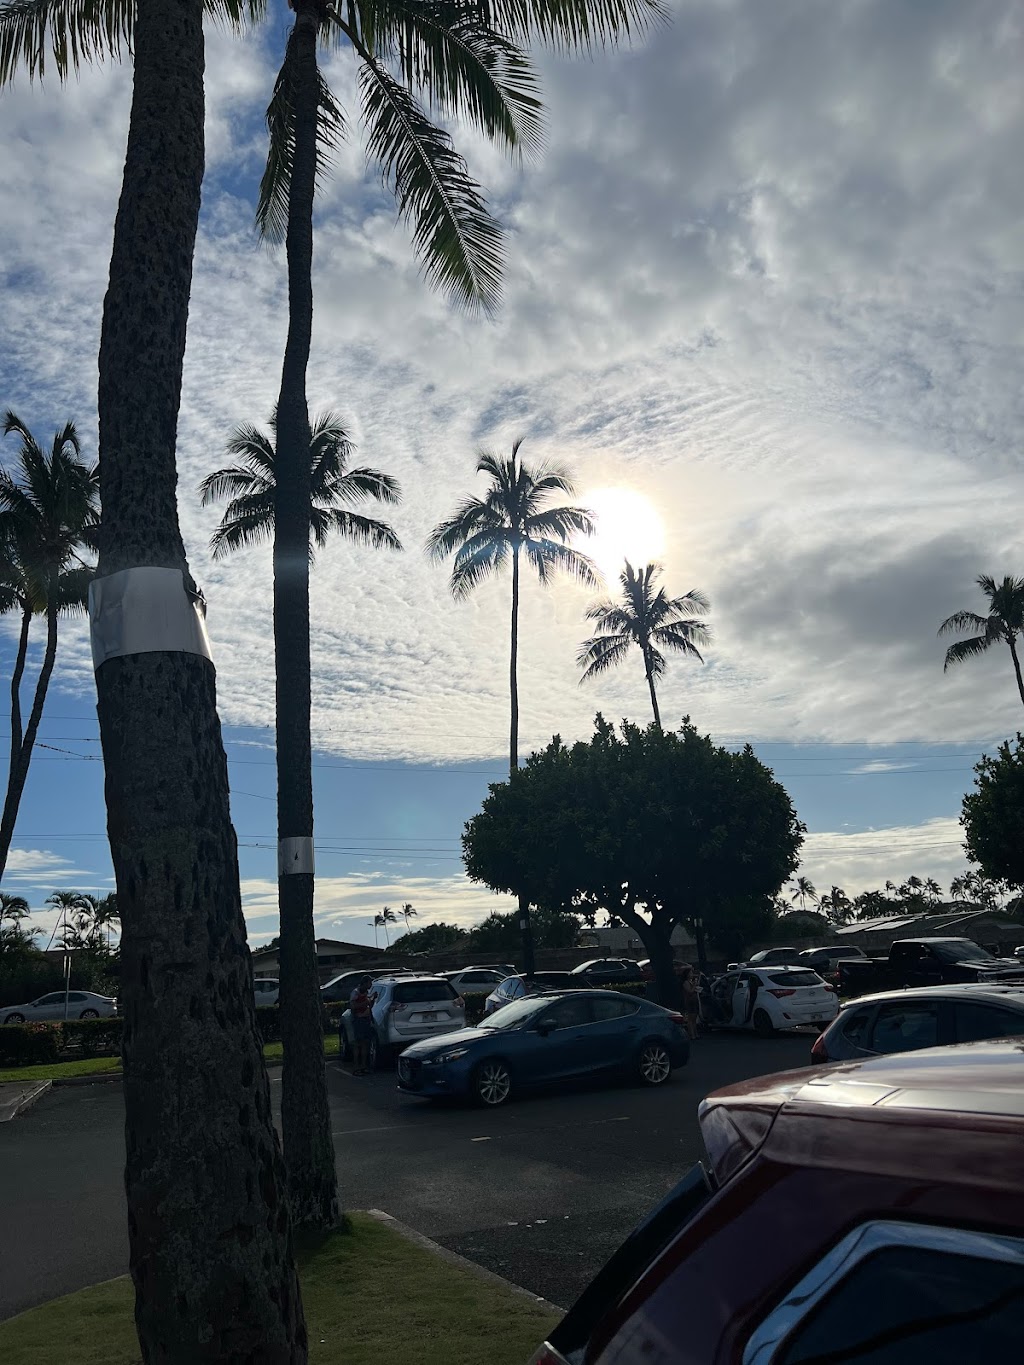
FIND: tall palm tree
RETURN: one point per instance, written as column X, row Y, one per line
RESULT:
column 468, row 63
column 408, row 913
column 1004, row 624
column 226, row 1290
column 48, row 516
column 803, row 891
column 252, row 487
column 511, row 522
column 13, row 909
column 250, row 518
column 387, row 916
column 649, row 619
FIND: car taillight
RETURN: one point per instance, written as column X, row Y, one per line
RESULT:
column 819, row 1052
column 677, row 1018
column 547, row 1355
column 780, row 993
column 829, row 988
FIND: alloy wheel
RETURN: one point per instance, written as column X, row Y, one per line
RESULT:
column 493, row 1083
column 655, row 1064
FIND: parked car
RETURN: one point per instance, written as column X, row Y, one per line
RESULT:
column 679, row 967
column 927, row 962
column 545, row 1041
column 1018, row 952
column 475, row 979
column 898, row 1183
column 825, row 961
column 266, row 989
column 80, row 1005
column 770, row 999
column 339, row 989
column 934, row 1016
column 609, row 971
column 515, row 987
column 407, row 1008
column 770, row 957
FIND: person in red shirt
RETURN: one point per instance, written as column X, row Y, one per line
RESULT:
column 361, row 1003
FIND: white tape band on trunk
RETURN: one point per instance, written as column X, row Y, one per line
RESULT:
column 145, row 611
column 295, row 856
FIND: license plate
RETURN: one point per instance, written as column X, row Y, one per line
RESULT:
column 428, row 1018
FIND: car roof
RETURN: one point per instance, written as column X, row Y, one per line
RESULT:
column 408, row 978
column 962, row 990
column 939, row 938
column 985, row 1078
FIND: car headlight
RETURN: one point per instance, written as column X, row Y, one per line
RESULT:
column 451, row 1056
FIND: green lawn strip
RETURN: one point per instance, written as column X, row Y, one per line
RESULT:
column 90, row 1066
column 431, row 1313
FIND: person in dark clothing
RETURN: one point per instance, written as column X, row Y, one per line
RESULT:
column 361, row 1005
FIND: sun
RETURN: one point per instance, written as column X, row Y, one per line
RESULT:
column 628, row 527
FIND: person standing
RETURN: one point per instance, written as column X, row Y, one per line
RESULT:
column 361, row 1004
column 691, row 1003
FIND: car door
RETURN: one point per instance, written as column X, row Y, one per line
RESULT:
column 612, row 1038
column 907, row 1025
column 741, row 999
column 47, row 1007
column 563, row 1040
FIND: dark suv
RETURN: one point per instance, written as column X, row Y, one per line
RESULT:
column 869, row 1213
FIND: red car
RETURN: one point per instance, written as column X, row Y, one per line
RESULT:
column 870, row 1213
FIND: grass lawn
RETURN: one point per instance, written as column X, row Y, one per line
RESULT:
column 91, row 1066
column 369, row 1295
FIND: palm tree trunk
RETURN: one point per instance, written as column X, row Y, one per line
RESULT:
column 305, row 1115
column 209, row 1233
column 654, row 695
column 19, row 767
column 16, row 677
column 1016, row 667
column 513, row 749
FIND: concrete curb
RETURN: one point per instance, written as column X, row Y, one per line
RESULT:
column 95, row 1078
column 453, row 1258
column 12, row 1108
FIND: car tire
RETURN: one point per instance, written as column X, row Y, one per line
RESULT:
column 763, row 1026
column 345, row 1053
column 653, row 1063
column 15, row 1019
column 492, row 1083
column 89, row 1014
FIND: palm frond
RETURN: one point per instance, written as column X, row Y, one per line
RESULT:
column 70, row 32
column 600, row 653
column 692, row 602
column 966, row 649
column 457, row 240
column 479, row 557
column 73, row 589
column 356, row 485
column 363, row 530
column 470, row 517
column 612, row 619
column 683, row 637
column 655, row 660
column 963, row 620
column 502, row 471
column 562, row 522
column 548, row 555
column 234, row 481
column 572, row 25
column 275, row 186
column 247, row 520
column 547, row 480
column 254, row 446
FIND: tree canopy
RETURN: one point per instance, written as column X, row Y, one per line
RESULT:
column 993, row 815
column 656, row 828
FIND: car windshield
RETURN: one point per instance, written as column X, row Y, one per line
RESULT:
column 512, row 1015
column 962, row 951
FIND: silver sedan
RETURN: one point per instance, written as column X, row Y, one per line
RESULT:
column 80, row 1005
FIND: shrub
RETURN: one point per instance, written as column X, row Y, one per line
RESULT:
column 29, row 1044
column 93, row 1037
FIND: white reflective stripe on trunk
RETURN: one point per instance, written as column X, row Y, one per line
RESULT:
column 295, row 856
column 145, row 610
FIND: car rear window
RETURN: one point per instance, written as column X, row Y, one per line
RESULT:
column 795, row 978
column 412, row 992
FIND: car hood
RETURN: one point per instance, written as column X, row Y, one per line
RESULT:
column 427, row 1047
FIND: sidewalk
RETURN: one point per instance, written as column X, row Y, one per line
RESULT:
column 18, row 1095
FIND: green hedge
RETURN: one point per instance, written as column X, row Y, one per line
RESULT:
column 29, row 1044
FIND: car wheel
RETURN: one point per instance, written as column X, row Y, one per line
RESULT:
column 763, row 1026
column 492, row 1084
column 15, row 1019
column 89, row 1014
column 344, row 1046
column 654, row 1065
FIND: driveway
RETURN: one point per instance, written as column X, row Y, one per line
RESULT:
column 541, row 1191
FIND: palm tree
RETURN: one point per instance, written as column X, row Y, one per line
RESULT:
column 387, row 916
column 252, row 487
column 12, row 908
column 209, row 1244
column 648, row 619
column 250, row 518
column 1003, row 624
column 408, row 913
column 802, row 890
column 512, row 522
column 48, row 514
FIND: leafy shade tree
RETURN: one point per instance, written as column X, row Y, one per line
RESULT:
column 1004, row 624
column 209, row 1225
column 48, row 517
column 739, row 921
column 803, row 890
column 430, row 938
column 993, row 815
column 648, row 618
column 801, row 924
column 655, row 828
column 513, row 522
column 250, row 518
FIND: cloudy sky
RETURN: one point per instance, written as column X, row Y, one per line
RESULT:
column 763, row 297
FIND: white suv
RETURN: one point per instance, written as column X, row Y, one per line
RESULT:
column 266, row 989
column 407, row 1009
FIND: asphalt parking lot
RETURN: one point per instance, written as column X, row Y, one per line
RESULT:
column 541, row 1191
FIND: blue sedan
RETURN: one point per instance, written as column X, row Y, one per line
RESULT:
column 547, row 1040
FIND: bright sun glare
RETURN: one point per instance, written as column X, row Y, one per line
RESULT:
column 628, row 527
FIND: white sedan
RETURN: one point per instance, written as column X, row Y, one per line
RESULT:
column 80, row 1005
column 771, row 998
